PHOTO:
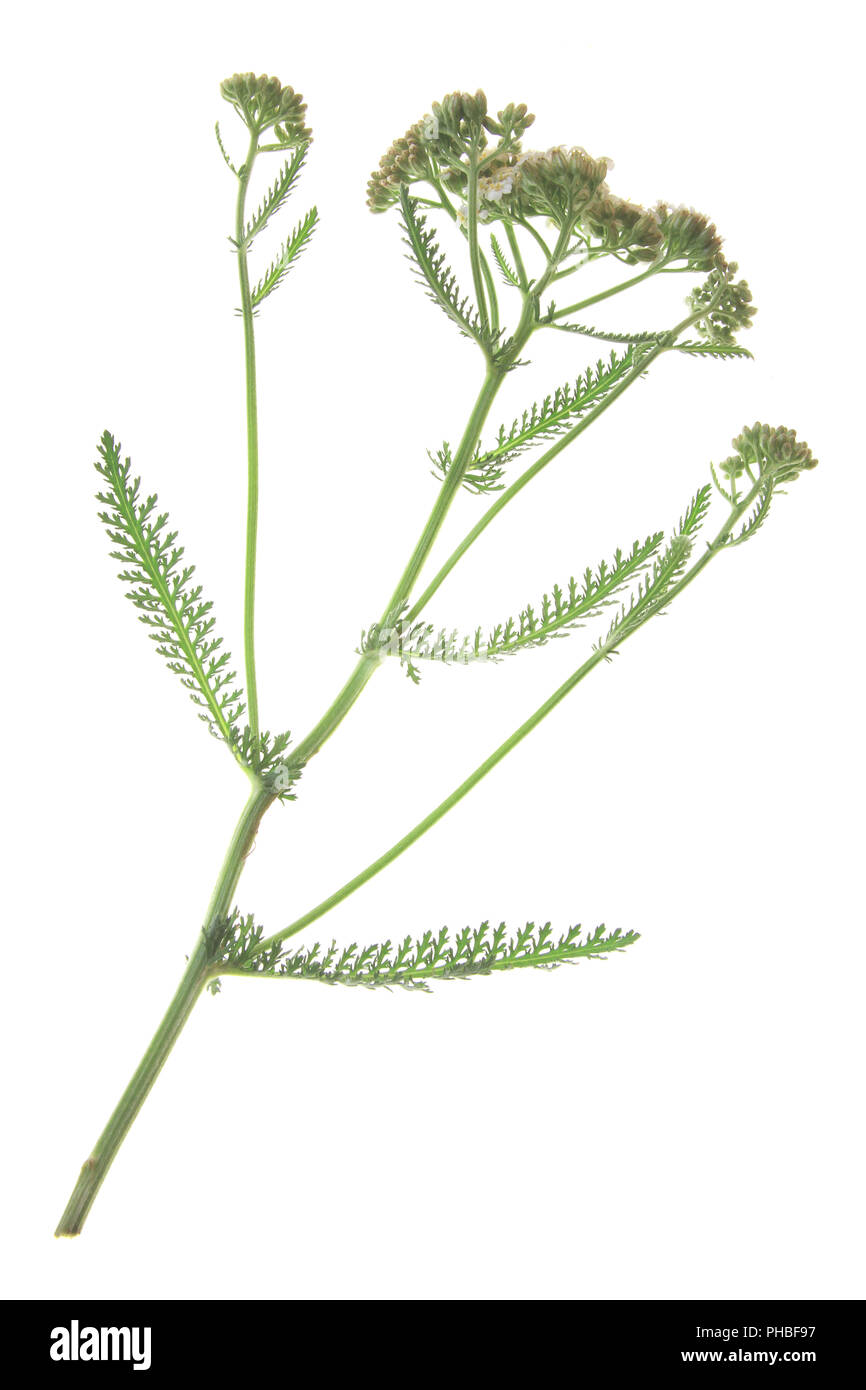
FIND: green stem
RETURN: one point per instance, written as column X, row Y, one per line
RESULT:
column 491, row 292
column 472, row 227
column 252, row 444
column 435, row 815
column 203, row 963
column 368, row 663
column 199, row 967
column 453, row 480
column 194, row 978
column 518, row 258
column 520, row 483
column 447, row 206
column 607, row 294
column 541, row 462
column 602, row 653
column 536, row 235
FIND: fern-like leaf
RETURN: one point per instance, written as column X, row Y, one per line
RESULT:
column 561, row 611
column 711, row 349
column 159, row 585
column 414, row 964
column 223, row 150
column 558, row 613
column 437, row 278
column 653, row 592
column 277, row 194
column 264, row 755
column 552, row 416
column 279, row 268
column 509, row 276
column 648, row 339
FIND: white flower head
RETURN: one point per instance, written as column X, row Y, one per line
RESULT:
column 495, row 186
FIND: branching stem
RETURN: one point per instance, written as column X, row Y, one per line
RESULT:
column 601, row 653
column 203, row 963
column 526, row 477
column 608, row 293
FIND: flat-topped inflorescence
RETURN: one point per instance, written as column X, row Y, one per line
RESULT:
column 688, row 236
column 559, row 183
column 771, row 453
column 436, row 148
column 263, row 104
column 633, row 231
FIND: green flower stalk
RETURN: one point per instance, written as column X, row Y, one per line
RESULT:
column 528, row 219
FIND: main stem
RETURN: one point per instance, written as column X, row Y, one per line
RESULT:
column 200, row 965
column 194, row 978
column 252, row 444
column 203, row 961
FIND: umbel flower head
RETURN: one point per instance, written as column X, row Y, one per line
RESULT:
column 436, row 148
column 262, row 103
column 771, row 452
column 624, row 227
column 688, row 236
column 558, row 183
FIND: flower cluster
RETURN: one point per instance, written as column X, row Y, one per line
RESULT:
column 408, row 160
column 774, row 452
column 436, row 148
column 262, row 103
column 728, row 303
column 624, row 227
column 688, row 236
column 564, row 185
column 558, row 183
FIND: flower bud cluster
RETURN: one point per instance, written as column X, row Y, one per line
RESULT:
column 564, row 184
column 688, row 236
column 773, row 451
column 624, row 227
column 437, row 147
column 262, row 103
column 558, row 183
column 728, row 304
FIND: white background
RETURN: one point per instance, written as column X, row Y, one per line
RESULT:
column 684, row 1120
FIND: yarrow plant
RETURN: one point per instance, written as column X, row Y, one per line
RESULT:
column 528, row 222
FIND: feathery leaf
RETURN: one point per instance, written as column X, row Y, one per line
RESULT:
column 280, row 267
column 553, row 416
column 158, row 584
column 652, row 593
column 713, row 349
column 509, row 276
column 223, row 150
column 437, row 278
column 650, row 339
column 414, row 964
column 558, row 613
column 277, row 194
